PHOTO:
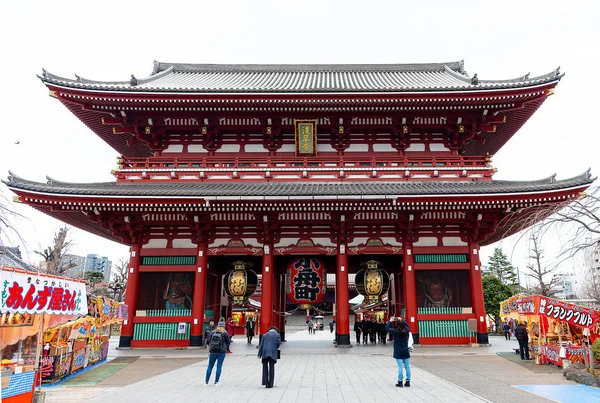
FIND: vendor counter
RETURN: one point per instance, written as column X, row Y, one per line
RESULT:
column 17, row 388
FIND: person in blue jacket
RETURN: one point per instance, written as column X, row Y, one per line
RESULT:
column 403, row 345
column 267, row 351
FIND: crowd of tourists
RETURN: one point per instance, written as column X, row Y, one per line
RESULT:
column 218, row 339
column 371, row 331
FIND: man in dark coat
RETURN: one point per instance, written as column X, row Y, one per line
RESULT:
column 250, row 327
column 357, row 330
column 365, row 330
column 523, row 339
column 267, row 352
column 211, row 326
column 403, row 345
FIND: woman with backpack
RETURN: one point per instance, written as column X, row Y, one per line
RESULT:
column 403, row 345
column 218, row 345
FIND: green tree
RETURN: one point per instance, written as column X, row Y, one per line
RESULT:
column 500, row 267
column 494, row 292
column 94, row 277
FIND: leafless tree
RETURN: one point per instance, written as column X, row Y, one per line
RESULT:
column 119, row 283
column 7, row 217
column 539, row 272
column 591, row 288
column 54, row 255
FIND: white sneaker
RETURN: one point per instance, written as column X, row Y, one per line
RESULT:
column 217, row 383
column 205, row 383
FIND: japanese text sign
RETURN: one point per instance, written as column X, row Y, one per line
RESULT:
column 306, row 281
column 30, row 293
column 566, row 312
column 306, row 137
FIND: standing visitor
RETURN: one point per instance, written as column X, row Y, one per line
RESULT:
column 506, row 328
column 357, row 329
column 331, row 324
column 250, row 329
column 211, row 326
column 403, row 345
column 218, row 345
column 311, row 327
column 267, row 352
column 365, row 330
column 523, row 339
column 230, row 331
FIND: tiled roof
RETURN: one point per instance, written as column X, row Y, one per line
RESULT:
column 316, row 78
column 10, row 256
column 295, row 189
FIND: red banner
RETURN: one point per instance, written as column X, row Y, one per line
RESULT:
column 565, row 312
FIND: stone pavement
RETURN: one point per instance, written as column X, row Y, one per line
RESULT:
column 312, row 370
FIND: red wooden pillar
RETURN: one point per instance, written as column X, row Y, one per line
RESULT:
column 397, row 293
column 342, row 323
column 477, row 293
column 131, row 294
column 410, row 290
column 199, row 295
column 282, row 306
column 276, row 300
column 266, row 294
column 216, row 297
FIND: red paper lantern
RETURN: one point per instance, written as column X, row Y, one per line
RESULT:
column 306, row 281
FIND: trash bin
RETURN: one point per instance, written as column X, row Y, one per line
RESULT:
column 566, row 363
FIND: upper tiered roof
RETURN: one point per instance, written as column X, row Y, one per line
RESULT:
column 304, row 78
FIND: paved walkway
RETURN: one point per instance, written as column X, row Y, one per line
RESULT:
column 312, row 370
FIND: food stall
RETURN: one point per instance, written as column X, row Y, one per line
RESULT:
column 30, row 303
column 557, row 329
column 72, row 346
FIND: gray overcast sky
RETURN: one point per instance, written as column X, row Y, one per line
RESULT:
column 111, row 39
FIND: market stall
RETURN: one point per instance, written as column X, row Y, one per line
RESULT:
column 557, row 329
column 30, row 303
column 72, row 346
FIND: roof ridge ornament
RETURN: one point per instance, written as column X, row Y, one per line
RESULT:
column 133, row 81
column 475, row 79
column 557, row 72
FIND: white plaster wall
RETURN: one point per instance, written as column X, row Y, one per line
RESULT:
column 196, row 148
column 416, row 147
column 357, row 148
column 325, row 148
column 255, row 148
column 155, row 243
column 453, row 241
column 229, row 148
column 183, row 243
column 426, row 241
column 174, row 148
column 383, row 148
column 438, row 147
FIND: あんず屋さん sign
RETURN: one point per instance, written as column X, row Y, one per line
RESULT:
column 27, row 292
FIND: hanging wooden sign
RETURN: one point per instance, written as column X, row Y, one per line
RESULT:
column 306, row 137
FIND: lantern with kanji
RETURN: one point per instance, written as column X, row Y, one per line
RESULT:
column 373, row 281
column 306, row 281
column 240, row 282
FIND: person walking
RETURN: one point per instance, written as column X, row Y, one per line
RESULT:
column 311, row 327
column 523, row 339
column 267, row 352
column 250, row 328
column 403, row 345
column 230, row 331
column 218, row 345
column 211, row 326
column 331, row 324
column 506, row 328
column 357, row 330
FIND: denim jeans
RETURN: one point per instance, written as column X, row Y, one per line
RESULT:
column 219, row 358
column 406, row 364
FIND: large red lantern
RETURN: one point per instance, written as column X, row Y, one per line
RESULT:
column 306, row 281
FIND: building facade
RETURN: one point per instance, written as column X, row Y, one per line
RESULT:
column 268, row 163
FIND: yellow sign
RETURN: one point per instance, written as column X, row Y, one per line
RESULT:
column 306, row 137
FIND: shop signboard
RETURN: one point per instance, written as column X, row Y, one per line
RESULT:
column 565, row 312
column 25, row 292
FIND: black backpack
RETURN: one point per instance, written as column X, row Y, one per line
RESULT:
column 216, row 343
